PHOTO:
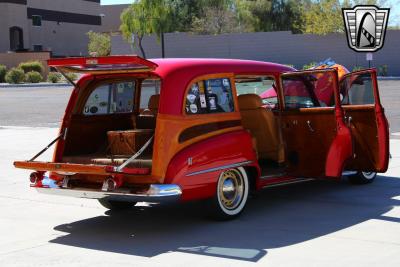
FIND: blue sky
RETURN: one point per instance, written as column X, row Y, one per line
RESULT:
column 393, row 20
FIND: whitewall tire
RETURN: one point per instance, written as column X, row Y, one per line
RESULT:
column 362, row 177
column 231, row 194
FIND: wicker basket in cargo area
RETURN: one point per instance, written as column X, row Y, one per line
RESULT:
column 128, row 142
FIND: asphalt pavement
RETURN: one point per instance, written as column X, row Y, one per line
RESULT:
column 320, row 223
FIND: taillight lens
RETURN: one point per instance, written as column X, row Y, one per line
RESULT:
column 36, row 177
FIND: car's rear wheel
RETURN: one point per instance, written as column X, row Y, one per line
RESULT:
column 116, row 205
column 231, row 194
column 362, row 177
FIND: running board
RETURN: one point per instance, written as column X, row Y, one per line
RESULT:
column 275, row 175
column 290, row 182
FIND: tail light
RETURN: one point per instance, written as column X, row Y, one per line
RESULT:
column 36, row 177
column 109, row 184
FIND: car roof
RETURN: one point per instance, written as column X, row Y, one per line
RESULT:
column 200, row 66
column 177, row 73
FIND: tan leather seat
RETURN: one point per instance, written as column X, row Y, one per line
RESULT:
column 263, row 126
column 154, row 101
column 147, row 118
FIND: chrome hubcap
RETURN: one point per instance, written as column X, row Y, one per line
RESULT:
column 369, row 175
column 231, row 189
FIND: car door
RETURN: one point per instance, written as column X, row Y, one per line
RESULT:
column 365, row 117
column 317, row 141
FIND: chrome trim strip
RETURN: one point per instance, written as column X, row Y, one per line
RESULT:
column 239, row 164
column 157, row 193
column 277, row 175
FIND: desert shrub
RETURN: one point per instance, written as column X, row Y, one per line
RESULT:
column 3, row 72
column 99, row 44
column 357, row 68
column 309, row 65
column 383, row 70
column 54, row 77
column 33, row 77
column 31, row 66
column 15, row 75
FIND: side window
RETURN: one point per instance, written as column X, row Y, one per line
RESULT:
column 210, row 96
column 111, row 98
column 357, row 89
column 308, row 90
column 263, row 86
column 149, row 87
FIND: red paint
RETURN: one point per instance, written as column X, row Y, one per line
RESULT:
column 133, row 171
column 214, row 152
column 86, row 63
column 223, row 150
column 383, row 128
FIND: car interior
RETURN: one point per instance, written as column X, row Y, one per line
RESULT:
column 263, row 125
column 115, row 121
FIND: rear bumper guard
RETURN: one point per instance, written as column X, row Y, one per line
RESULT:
column 156, row 193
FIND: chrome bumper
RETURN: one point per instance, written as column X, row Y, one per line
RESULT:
column 157, row 193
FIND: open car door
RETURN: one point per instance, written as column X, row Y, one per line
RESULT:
column 365, row 117
column 318, row 143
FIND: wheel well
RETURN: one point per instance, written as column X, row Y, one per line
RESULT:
column 252, row 174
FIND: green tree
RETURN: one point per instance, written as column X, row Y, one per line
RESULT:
column 323, row 17
column 269, row 15
column 146, row 17
column 135, row 25
column 99, row 44
column 216, row 21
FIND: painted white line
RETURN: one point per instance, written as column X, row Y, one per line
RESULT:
column 396, row 134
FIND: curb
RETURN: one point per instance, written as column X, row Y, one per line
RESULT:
column 389, row 78
column 22, row 85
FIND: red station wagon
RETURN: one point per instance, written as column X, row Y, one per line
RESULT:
column 163, row 130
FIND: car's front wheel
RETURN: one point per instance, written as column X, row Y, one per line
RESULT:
column 231, row 194
column 362, row 177
column 116, row 205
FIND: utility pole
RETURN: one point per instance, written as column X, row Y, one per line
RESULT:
column 162, row 45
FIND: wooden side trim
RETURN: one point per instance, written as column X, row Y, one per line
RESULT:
column 206, row 128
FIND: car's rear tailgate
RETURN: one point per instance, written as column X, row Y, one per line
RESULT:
column 72, row 168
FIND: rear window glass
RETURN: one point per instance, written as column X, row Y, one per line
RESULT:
column 210, row 96
column 111, row 98
column 357, row 89
column 149, row 87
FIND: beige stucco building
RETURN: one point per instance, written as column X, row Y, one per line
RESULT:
column 59, row 26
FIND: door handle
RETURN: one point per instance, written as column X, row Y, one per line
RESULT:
column 348, row 120
column 310, row 126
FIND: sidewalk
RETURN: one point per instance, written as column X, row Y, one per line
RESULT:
column 22, row 85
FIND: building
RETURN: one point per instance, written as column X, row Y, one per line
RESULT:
column 59, row 26
column 111, row 17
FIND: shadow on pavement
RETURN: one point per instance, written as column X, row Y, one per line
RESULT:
column 278, row 217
